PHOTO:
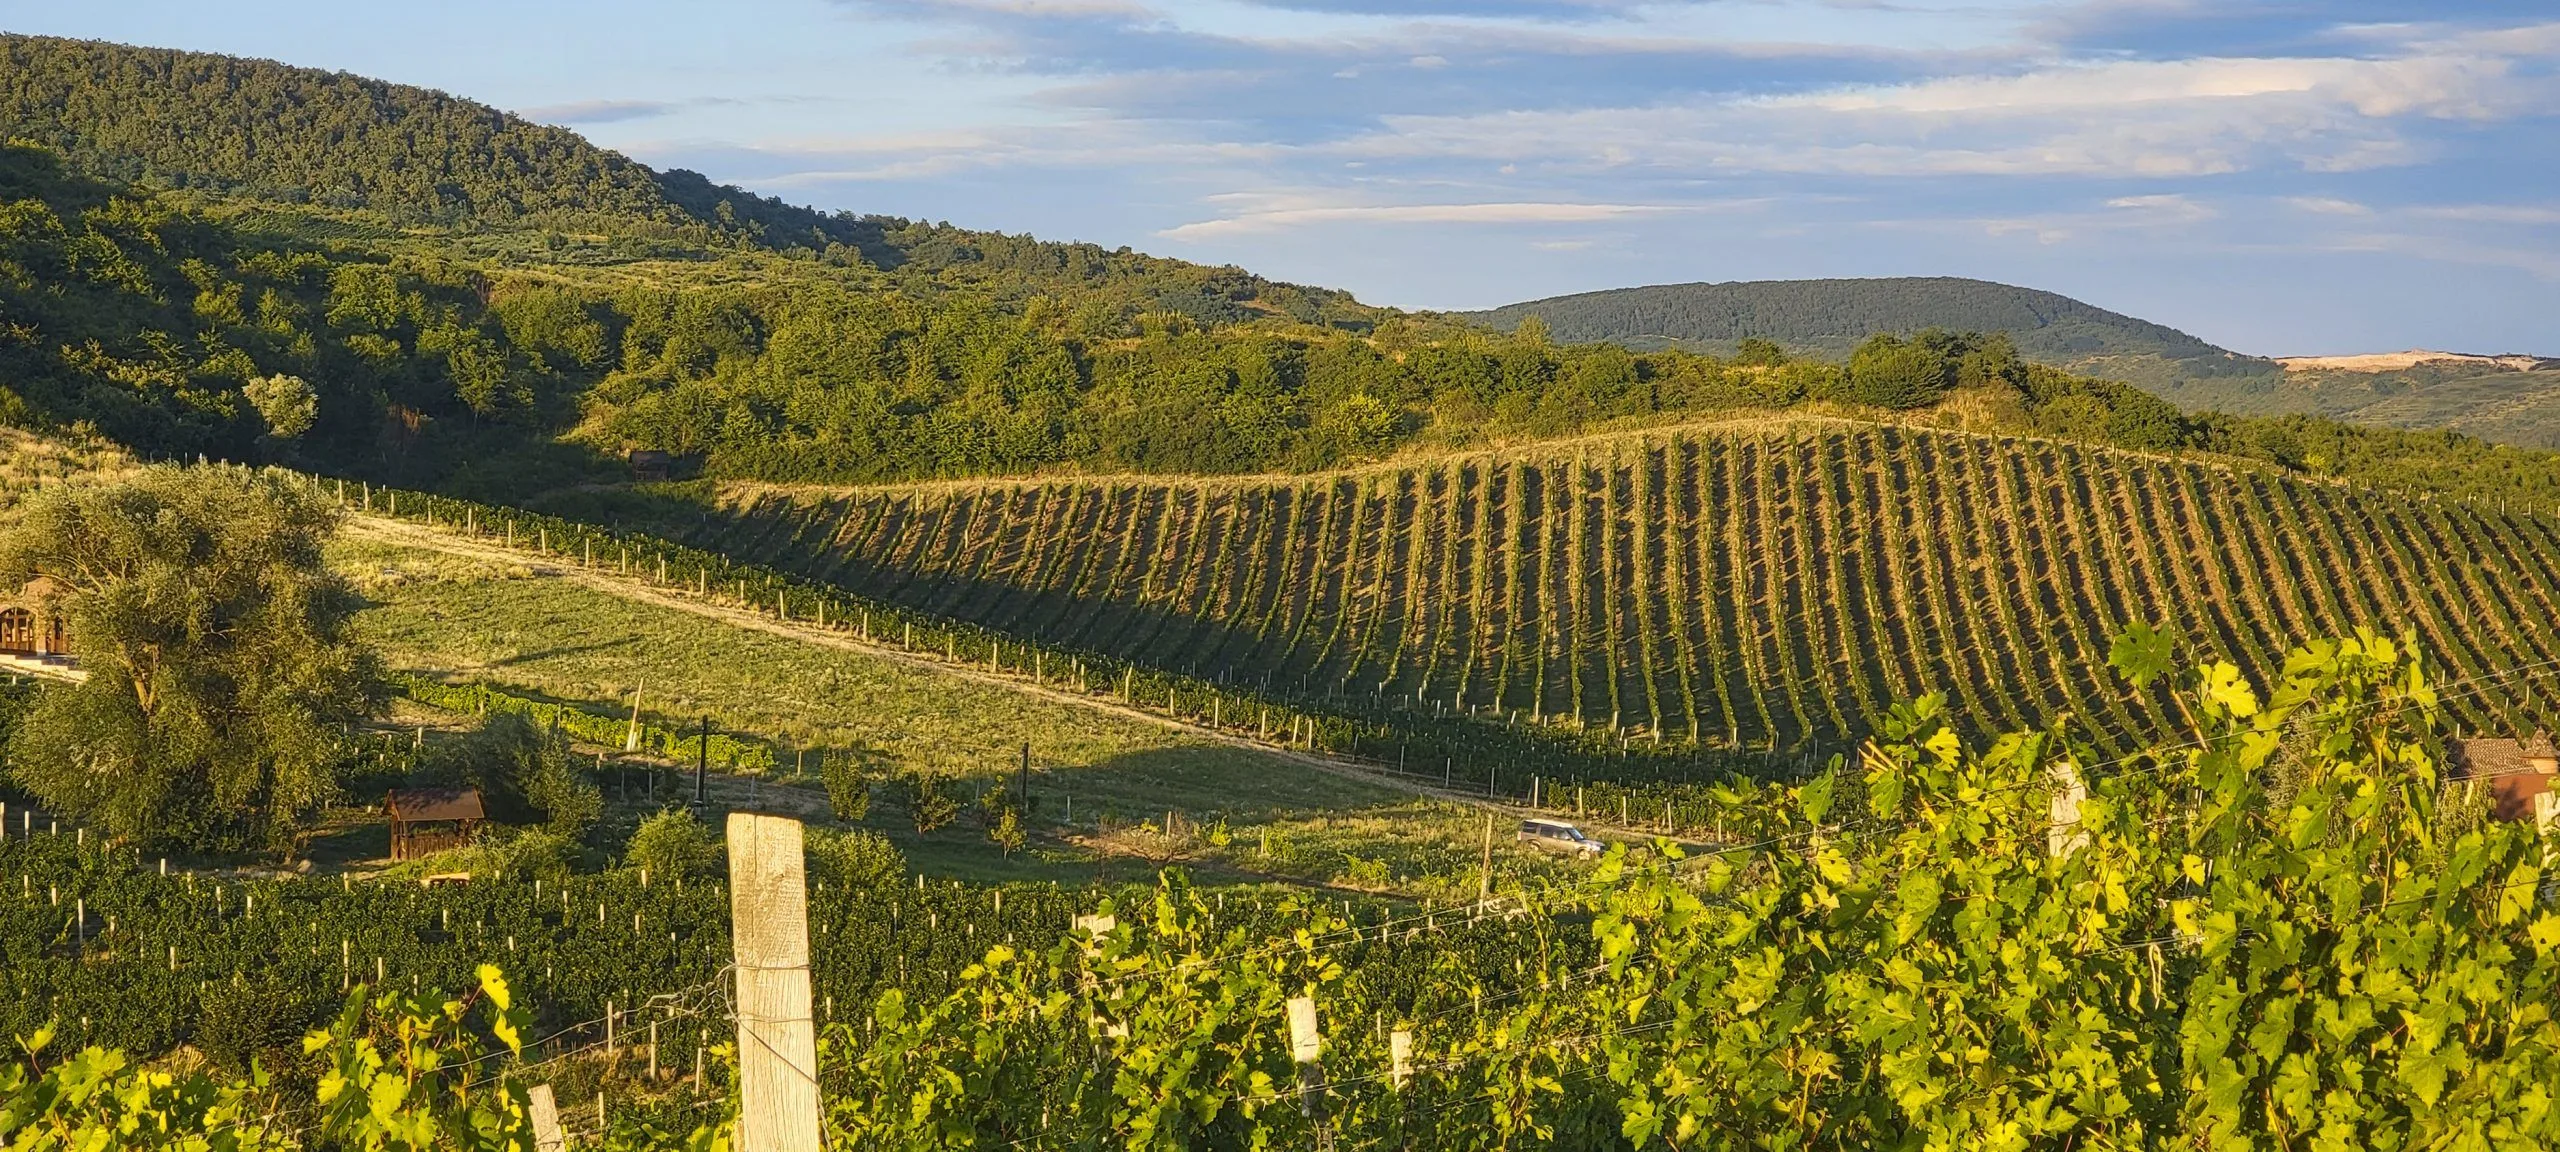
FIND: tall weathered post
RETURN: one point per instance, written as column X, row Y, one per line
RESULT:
column 777, row 1036
column 702, row 765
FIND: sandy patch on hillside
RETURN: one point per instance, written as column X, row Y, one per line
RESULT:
column 2396, row 361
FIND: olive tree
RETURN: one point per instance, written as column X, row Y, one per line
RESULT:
column 222, row 676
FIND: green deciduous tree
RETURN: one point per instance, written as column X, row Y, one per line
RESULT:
column 222, row 674
column 286, row 403
column 1891, row 372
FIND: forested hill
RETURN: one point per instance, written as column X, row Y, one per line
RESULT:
column 1832, row 316
column 257, row 128
column 334, row 142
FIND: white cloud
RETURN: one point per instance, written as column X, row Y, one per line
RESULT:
column 2159, row 211
column 2443, row 86
column 597, row 111
column 2328, row 206
column 2492, row 213
column 2541, row 262
column 1270, row 219
column 2140, row 119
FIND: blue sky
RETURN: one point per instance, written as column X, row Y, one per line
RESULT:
column 2279, row 176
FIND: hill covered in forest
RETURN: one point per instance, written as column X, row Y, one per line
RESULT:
column 1830, row 317
column 325, row 147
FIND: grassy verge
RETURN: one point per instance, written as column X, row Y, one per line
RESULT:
column 1103, row 783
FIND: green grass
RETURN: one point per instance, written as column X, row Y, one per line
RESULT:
column 1102, row 783
column 467, row 619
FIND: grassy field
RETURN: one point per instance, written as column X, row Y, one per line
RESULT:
column 1103, row 783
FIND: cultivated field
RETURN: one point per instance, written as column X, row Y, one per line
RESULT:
column 1762, row 585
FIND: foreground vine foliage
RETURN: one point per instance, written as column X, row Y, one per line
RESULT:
column 2289, row 930
column 395, row 1072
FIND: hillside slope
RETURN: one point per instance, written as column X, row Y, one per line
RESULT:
column 257, row 130
column 1832, row 316
column 222, row 123
column 2506, row 400
column 1770, row 584
column 2511, row 400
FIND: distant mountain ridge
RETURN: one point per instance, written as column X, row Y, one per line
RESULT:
column 1831, row 316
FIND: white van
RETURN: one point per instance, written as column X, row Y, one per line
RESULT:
column 1558, row 836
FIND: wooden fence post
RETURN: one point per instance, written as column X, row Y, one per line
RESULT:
column 2064, row 835
column 777, row 1039
column 547, row 1136
column 1306, row 1049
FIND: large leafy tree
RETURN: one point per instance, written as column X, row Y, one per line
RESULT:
column 222, row 675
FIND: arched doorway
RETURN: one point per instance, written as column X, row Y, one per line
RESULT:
column 18, row 631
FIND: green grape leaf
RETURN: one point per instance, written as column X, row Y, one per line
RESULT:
column 2142, row 653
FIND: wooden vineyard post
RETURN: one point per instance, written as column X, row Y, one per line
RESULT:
column 2064, row 836
column 1306, row 1049
column 1484, row 871
column 1399, row 1057
column 777, row 1038
column 547, row 1136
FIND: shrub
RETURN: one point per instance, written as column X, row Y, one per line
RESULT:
column 673, row 843
column 927, row 803
column 848, row 787
column 855, row 859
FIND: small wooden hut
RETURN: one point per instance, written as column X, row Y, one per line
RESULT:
column 425, row 821
column 651, row 464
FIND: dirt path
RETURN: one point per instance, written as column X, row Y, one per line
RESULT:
column 640, row 590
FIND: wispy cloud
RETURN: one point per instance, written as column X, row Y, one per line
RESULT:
column 2530, row 214
column 1314, row 135
column 598, row 111
column 1274, row 219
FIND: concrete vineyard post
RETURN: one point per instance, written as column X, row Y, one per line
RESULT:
column 777, row 1037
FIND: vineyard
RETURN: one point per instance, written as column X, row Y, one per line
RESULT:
column 113, row 952
column 2292, row 928
column 1771, row 587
